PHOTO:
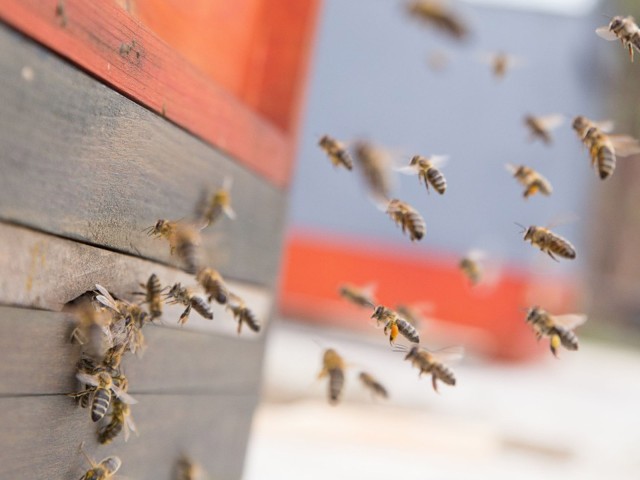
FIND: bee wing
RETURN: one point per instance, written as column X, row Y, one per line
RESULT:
column 449, row 355
column 122, row 395
column 550, row 122
column 570, row 321
column 407, row 169
column 604, row 32
column 439, row 161
column 625, row 145
column 229, row 212
column 605, row 126
column 128, row 427
column 476, row 254
column 511, row 168
column 562, row 220
column 84, row 377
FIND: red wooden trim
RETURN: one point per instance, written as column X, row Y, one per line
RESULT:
column 488, row 318
column 95, row 35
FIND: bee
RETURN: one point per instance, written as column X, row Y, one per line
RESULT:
column 604, row 148
column 470, row 266
column 363, row 297
column 540, row 127
column 220, row 204
column 559, row 328
column 336, row 151
column 120, row 421
column 428, row 362
column 101, row 386
column 500, row 62
column 86, row 365
column 242, row 314
column 435, row 13
column 126, row 328
column 549, row 242
column 530, row 179
column 153, row 296
column 188, row 470
column 408, row 218
column 213, row 284
column 183, row 239
column 375, row 387
column 427, row 170
column 333, row 365
column 375, row 165
column 104, row 470
column 394, row 324
column 625, row 29
column 182, row 295
column 92, row 330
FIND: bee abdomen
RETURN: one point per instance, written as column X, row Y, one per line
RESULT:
column 562, row 247
column 568, row 339
column 100, row 405
column 200, row 306
column 437, row 180
column 218, row 292
column 606, row 162
column 252, row 322
column 84, row 400
column 336, row 382
column 415, row 224
column 111, row 431
column 408, row 330
column 445, row 374
column 186, row 250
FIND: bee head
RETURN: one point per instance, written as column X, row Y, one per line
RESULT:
column 324, row 140
column 532, row 313
column 378, row 312
column 414, row 160
column 616, row 23
column 412, row 353
column 579, row 123
column 530, row 232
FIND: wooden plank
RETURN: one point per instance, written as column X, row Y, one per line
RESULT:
column 46, row 272
column 41, row 436
column 81, row 161
column 95, row 35
column 39, row 359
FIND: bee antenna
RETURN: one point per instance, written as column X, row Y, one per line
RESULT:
column 606, row 16
column 399, row 347
column 524, row 229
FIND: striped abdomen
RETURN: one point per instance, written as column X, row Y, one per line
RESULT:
column 561, row 247
column 336, row 382
column 85, row 399
column 437, row 180
column 444, row 373
column 568, row 339
column 200, row 306
column 111, row 431
column 186, row 250
column 100, row 404
column 249, row 318
column 605, row 161
column 408, row 330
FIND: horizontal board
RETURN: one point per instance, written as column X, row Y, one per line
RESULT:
column 43, row 271
column 81, row 161
column 93, row 34
column 41, row 437
column 39, row 359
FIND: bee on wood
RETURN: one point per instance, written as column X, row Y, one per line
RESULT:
column 603, row 148
column 435, row 13
column 153, row 296
column 559, row 328
column 336, row 151
column 430, row 362
column 394, row 324
column 101, row 387
column 220, row 204
column 373, row 385
column 242, row 314
column 408, row 218
column 333, row 365
column 121, row 419
column 92, row 330
column 500, row 62
column 375, row 165
column 213, row 284
column 360, row 296
column 188, row 470
column 427, row 169
column 549, row 242
column 182, row 295
column 624, row 29
column 104, row 470
column 540, row 127
column 183, row 239
column 531, row 180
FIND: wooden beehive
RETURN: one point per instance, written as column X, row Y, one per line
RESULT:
column 106, row 128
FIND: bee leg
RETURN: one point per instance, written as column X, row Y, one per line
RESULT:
column 434, row 382
column 185, row 315
column 554, row 344
column 239, row 326
column 551, row 255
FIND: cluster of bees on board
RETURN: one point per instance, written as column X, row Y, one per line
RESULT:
column 108, row 328
column 376, row 166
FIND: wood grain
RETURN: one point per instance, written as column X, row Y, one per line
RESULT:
column 81, row 161
column 95, row 35
column 41, row 436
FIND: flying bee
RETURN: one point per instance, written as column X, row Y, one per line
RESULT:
column 104, row 470
column 101, row 387
column 183, row 239
column 153, row 296
column 408, row 218
column 333, row 365
column 360, row 296
column 182, row 295
column 435, row 13
column 540, row 127
column 121, row 420
column 559, row 328
column 530, row 179
column 336, row 151
column 375, row 164
column 500, row 62
column 394, row 324
column 625, row 29
column 549, row 242
column 430, row 362
column 427, row 170
column 603, row 148
column 213, row 284
column 471, row 266
column 374, row 386
column 220, row 204
column 242, row 314
column 92, row 330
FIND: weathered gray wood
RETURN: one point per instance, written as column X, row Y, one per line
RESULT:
column 40, row 437
column 38, row 358
column 82, row 161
